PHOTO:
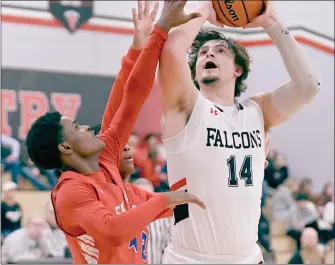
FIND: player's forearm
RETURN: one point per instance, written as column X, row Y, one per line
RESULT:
column 115, row 97
column 166, row 214
column 137, row 89
column 305, row 81
column 181, row 38
column 117, row 230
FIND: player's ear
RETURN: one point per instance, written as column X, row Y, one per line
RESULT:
column 65, row 148
column 238, row 72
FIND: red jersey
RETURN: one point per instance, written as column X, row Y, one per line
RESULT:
column 104, row 220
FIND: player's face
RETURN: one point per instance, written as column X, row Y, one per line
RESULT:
column 79, row 139
column 216, row 61
column 127, row 162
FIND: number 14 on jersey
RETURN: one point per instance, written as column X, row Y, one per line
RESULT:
column 245, row 172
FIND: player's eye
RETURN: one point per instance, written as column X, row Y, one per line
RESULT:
column 203, row 52
column 222, row 50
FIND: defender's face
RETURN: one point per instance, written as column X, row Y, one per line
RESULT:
column 216, row 61
column 79, row 139
column 127, row 162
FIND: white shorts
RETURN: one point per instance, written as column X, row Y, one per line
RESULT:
column 177, row 255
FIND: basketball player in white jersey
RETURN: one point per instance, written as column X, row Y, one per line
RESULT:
column 215, row 144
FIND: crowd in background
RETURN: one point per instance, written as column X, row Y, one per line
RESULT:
column 308, row 217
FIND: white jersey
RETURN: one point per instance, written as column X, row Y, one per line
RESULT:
column 219, row 157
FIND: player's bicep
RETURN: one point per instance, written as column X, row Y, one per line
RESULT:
column 175, row 78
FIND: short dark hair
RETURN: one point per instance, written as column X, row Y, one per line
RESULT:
column 242, row 58
column 43, row 139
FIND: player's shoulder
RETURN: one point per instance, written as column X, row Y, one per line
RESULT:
column 253, row 103
column 71, row 186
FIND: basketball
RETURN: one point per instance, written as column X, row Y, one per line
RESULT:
column 238, row 13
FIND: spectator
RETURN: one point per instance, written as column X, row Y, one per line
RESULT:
column 310, row 252
column 283, row 200
column 33, row 174
column 53, row 239
column 11, row 214
column 326, row 226
column 271, row 156
column 263, row 225
column 328, row 211
column 10, row 153
column 302, row 214
column 149, row 160
column 277, row 171
column 24, row 243
column 160, row 230
column 326, row 196
column 305, row 187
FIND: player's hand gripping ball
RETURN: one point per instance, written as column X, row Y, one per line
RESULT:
column 238, row 13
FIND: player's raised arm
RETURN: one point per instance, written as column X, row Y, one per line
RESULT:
column 175, row 79
column 140, row 81
column 286, row 100
column 143, row 21
column 79, row 212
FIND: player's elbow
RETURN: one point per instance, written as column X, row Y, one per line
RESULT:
column 310, row 88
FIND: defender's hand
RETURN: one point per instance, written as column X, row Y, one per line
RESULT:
column 265, row 20
column 173, row 14
column 143, row 20
column 182, row 197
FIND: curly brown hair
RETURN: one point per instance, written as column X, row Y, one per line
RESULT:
column 242, row 58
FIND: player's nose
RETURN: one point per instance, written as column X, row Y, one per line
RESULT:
column 126, row 148
column 210, row 54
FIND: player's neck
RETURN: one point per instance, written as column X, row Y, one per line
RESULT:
column 86, row 166
column 219, row 92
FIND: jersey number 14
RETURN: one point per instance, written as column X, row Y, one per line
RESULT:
column 245, row 172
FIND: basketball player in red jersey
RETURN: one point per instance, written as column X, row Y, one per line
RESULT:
column 105, row 222
column 207, row 132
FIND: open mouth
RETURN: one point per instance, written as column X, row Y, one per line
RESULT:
column 129, row 158
column 210, row 65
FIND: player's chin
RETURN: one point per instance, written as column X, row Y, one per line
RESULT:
column 99, row 143
column 209, row 79
column 128, row 168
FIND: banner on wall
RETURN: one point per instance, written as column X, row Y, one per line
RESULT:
column 72, row 14
column 27, row 94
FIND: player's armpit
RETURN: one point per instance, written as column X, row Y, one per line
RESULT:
column 115, row 97
column 79, row 211
column 137, row 89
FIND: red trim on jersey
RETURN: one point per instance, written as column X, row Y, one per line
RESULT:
column 179, row 184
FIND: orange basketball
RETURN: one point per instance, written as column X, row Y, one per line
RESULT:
column 238, row 13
